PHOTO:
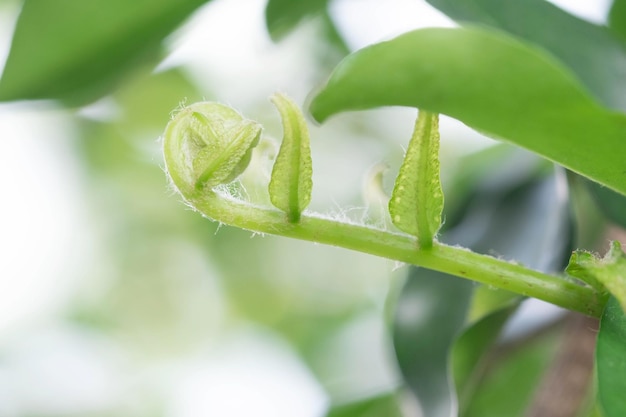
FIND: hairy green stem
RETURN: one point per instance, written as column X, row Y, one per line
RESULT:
column 444, row 258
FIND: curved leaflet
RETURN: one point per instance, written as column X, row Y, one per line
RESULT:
column 416, row 203
column 291, row 183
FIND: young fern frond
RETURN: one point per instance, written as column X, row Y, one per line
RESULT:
column 208, row 144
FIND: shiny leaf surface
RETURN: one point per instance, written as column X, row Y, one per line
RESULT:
column 473, row 75
column 590, row 51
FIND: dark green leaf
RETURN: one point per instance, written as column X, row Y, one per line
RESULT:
column 429, row 315
column 492, row 83
column 507, row 389
column 540, row 237
column 79, row 50
column 281, row 16
column 589, row 50
column 469, row 351
column 611, row 360
column 385, row 405
column 612, row 204
column 617, row 19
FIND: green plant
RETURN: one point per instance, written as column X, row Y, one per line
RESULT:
column 526, row 73
column 441, row 70
column 203, row 149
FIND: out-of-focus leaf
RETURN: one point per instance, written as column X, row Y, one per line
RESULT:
column 541, row 235
column 508, row 388
column 611, row 360
column 492, row 170
column 612, row 204
column 617, row 19
column 590, row 51
column 492, row 83
column 385, row 405
column 429, row 315
column 147, row 100
column 78, row 51
column 281, row 16
column 469, row 351
column 540, row 238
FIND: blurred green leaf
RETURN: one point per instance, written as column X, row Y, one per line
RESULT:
column 510, row 384
column 617, row 19
column 492, row 83
column 489, row 171
column 611, row 360
column 79, row 51
column 139, row 110
column 469, row 351
column 282, row 16
column 385, row 405
column 429, row 315
column 589, row 50
column 612, row 204
column 540, row 237
column 147, row 101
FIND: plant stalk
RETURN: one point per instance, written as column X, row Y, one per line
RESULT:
column 453, row 260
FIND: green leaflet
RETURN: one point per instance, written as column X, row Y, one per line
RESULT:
column 609, row 271
column 611, row 360
column 207, row 144
column 291, row 183
column 491, row 82
column 417, row 199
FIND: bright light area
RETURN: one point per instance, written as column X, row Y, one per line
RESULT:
column 594, row 11
column 42, row 216
column 251, row 373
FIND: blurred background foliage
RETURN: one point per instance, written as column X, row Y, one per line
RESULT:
column 116, row 299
